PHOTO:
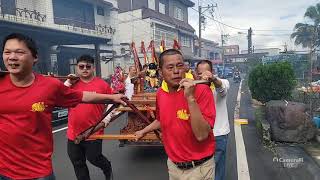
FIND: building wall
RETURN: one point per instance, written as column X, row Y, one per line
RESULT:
column 41, row 6
column 270, row 51
column 231, row 50
column 46, row 53
column 133, row 28
column 67, row 12
column 186, row 47
column 210, row 50
column 102, row 19
column 125, row 5
column 173, row 4
column 166, row 32
column 165, row 2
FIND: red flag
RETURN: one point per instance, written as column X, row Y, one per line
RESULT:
column 176, row 44
column 143, row 51
column 153, row 52
column 135, row 57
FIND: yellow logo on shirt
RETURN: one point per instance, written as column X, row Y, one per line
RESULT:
column 182, row 114
column 38, row 107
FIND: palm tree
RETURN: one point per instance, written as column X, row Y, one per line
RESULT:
column 306, row 34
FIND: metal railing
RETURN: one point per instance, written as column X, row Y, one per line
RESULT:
column 35, row 18
column 30, row 14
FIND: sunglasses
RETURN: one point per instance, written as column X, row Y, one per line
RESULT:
column 88, row 66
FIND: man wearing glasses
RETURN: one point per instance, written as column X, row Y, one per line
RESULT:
column 82, row 117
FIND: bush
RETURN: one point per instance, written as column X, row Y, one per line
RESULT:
column 272, row 81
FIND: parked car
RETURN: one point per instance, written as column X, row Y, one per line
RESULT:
column 59, row 116
column 228, row 72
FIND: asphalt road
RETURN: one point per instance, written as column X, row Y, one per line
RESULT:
column 134, row 163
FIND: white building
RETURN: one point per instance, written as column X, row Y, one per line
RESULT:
column 146, row 20
column 63, row 30
column 270, row 51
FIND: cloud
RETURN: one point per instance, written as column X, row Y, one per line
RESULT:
column 271, row 15
column 287, row 16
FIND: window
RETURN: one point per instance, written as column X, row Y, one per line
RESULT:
column 185, row 41
column 178, row 14
column 152, row 4
column 162, row 8
column 100, row 11
column 79, row 14
column 168, row 37
column 8, row 7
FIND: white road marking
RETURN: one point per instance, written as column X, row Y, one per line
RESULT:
column 242, row 163
column 58, row 130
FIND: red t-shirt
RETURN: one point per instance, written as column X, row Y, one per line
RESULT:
column 173, row 113
column 26, row 142
column 83, row 116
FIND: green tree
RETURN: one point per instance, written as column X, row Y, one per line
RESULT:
column 272, row 81
column 307, row 34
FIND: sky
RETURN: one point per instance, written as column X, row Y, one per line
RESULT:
column 278, row 17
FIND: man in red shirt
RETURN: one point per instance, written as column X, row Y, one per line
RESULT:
column 186, row 118
column 84, row 116
column 28, row 98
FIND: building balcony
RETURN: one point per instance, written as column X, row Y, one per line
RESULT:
column 35, row 18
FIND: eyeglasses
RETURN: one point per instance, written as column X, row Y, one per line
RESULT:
column 81, row 66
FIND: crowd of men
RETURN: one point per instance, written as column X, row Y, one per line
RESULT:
column 195, row 113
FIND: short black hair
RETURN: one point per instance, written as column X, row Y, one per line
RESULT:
column 168, row 52
column 29, row 42
column 87, row 58
column 205, row 62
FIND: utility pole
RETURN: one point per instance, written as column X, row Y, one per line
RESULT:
column 222, row 46
column 250, row 41
column 222, row 54
column 202, row 19
column 200, row 23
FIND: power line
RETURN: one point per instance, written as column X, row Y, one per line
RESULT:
column 220, row 16
column 233, row 27
column 220, row 22
column 272, row 30
column 271, row 34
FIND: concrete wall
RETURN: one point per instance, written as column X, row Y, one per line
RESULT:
column 42, row 6
column 133, row 28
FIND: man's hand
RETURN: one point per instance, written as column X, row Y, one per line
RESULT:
column 117, row 98
column 139, row 134
column 188, row 86
column 206, row 75
column 72, row 79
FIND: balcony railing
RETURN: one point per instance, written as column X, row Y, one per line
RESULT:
column 83, row 26
column 33, row 17
column 30, row 14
